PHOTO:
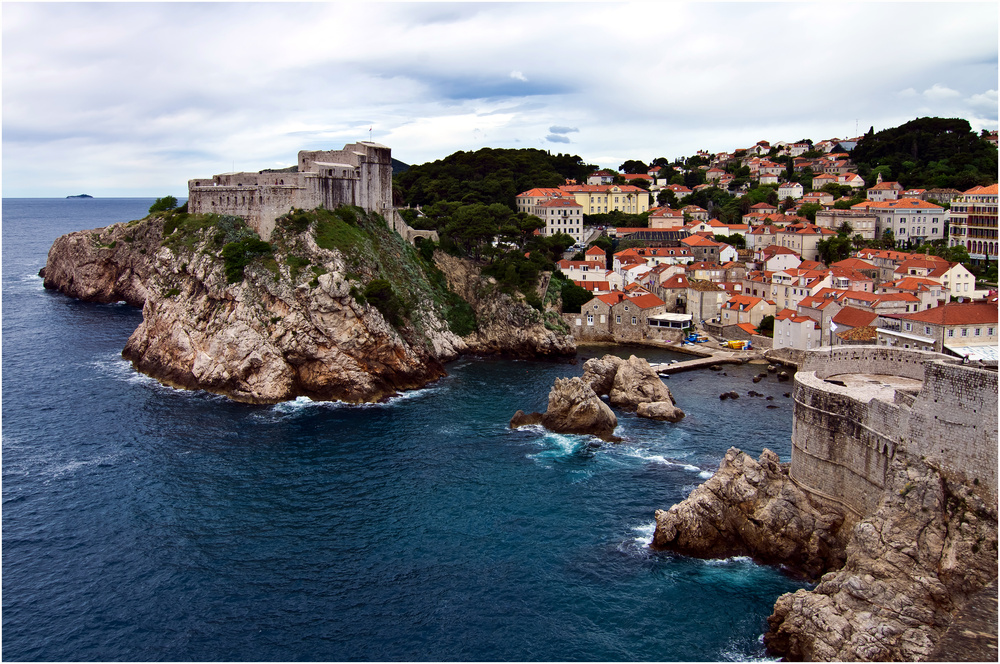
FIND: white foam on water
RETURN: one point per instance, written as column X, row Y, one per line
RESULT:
column 733, row 560
column 644, row 533
column 660, row 459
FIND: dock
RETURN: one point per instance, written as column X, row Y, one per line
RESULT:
column 717, row 357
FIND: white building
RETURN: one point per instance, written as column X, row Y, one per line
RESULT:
column 561, row 215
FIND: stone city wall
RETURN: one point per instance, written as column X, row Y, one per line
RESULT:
column 843, row 439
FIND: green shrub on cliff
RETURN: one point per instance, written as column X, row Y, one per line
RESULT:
column 237, row 255
column 379, row 294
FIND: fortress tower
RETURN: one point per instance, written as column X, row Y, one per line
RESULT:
column 360, row 174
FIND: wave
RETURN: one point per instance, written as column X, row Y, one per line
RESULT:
column 638, row 453
column 644, row 534
column 302, row 404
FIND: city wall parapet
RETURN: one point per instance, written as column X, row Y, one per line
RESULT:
column 843, row 437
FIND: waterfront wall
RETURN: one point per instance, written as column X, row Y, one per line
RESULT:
column 843, row 438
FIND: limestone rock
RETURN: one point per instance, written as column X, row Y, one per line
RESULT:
column 631, row 383
column 752, row 508
column 930, row 546
column 573, row 408
column 281, row 331
column 660, row 410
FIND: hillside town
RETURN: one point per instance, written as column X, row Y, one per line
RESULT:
column 763, row 282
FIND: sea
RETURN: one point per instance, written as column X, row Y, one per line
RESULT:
column 145, row 523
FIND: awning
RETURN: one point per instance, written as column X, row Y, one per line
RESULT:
column 984, row 352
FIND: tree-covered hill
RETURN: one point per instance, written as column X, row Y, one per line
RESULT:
column 489, row 175
column 927, row 153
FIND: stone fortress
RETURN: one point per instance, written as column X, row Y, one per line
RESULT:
column 856, row 408
column 360, row 174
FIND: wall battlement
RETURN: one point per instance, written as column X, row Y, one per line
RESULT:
column 360, row 174
column 858, row 407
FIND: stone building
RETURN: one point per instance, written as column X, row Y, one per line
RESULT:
column 360, row 174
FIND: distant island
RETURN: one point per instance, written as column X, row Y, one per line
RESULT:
column 81, row 196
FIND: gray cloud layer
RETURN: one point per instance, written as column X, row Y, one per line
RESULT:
column 134, row 99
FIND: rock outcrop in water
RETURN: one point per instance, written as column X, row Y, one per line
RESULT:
column 573, row 407
column 752, row 508
column 632, row 385
column 264, row 323
column 889, row 584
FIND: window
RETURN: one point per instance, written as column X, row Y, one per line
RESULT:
column 633, row 320
column 979, row 331
column 909, row 326
column 965, row 331
column 951, row 333
column 989, row 331
column 927, row 329
column 618, row 319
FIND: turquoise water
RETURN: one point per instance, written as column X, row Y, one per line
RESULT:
column 146, row 523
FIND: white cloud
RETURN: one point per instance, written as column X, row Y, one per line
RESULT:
column 939, row 92
column 153, row 94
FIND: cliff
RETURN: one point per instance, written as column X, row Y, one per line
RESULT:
column 889, row 584
column 335, row 307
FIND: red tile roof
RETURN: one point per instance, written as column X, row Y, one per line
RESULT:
column 957, row 313
column 851, row 317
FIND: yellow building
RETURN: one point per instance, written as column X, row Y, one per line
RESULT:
column 593, row 198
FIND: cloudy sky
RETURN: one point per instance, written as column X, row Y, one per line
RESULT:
column 133, row 99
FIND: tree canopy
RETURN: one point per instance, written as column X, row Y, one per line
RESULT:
column 489, row 175
column 928, row 153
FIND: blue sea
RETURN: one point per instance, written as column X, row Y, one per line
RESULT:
column 146, row 523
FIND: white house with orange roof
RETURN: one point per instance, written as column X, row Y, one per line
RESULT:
column 793, row 330
column 582, row 270
column 745, row 309
column 768, row 178
column 596, row 255
column 792, row 190
column 882, row 303
column 561, row 215
column 852, row 180
column 822, row 307
column 773, row 258
column 666, row 219
column 601, row 177
column 679, row 190
column 928, row 291
column 967, row 329
column 527, row 200
column 885, row 191
column 803, row 239
column 909, row 219
column 695, row 213
column 791, row 286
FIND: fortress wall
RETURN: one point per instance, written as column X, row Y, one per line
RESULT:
column 842, row 445
column 955, row 423
column 838, row 447
column 832, row 360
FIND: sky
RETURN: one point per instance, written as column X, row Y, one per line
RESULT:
column 135, row 99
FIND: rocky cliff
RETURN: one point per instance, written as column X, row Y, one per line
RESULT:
column 336, row 307
column 889, row 584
